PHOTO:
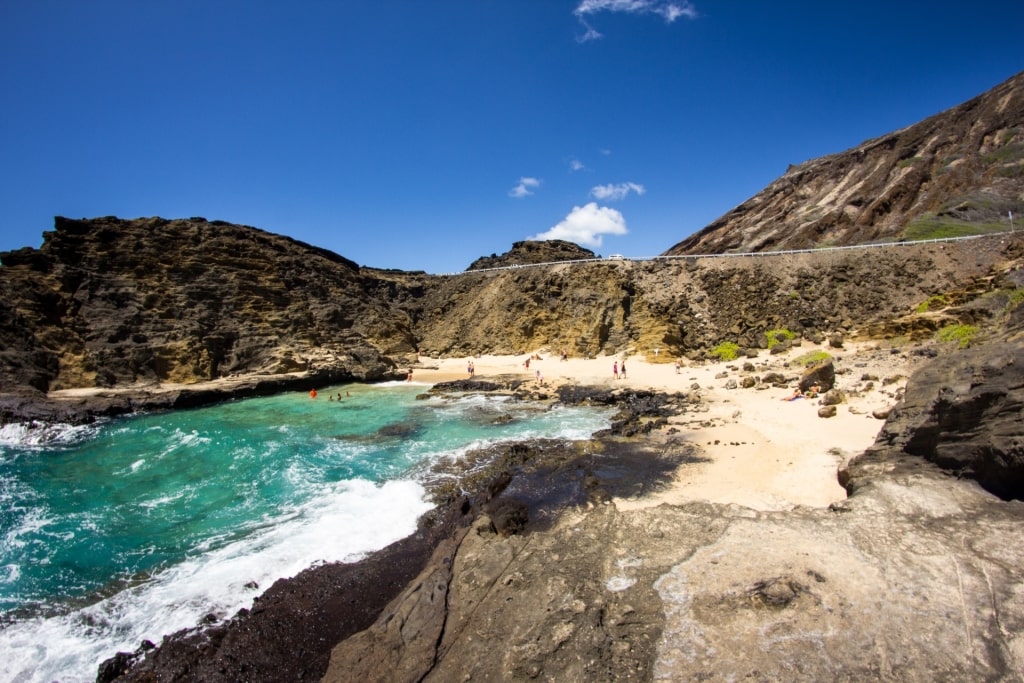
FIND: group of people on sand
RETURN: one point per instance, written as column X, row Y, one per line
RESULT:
column 619, row 371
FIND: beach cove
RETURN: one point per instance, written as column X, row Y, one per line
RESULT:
column 758, row 458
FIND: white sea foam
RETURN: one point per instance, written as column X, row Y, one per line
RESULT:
column 32, row 434
column 353, row 519
column 162, row 500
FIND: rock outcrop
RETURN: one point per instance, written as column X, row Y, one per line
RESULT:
column 958, row 172
column 110, row 302
column 965, row 412
column 533, row 251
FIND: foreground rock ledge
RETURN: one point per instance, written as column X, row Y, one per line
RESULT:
column 918, row 577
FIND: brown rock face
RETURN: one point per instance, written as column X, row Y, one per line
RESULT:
column 958, row 172
column 687, row 306
column 109, row 302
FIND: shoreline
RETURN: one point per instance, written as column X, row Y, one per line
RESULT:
column 759, row 451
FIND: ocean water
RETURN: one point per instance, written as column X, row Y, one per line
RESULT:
column 137, row 527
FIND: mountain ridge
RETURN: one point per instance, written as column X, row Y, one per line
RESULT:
column 956, row 172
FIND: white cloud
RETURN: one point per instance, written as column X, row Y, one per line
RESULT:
column 669, row 10
column 618, row 192
column 586, row 225
column 524, row 188
column 577, row 165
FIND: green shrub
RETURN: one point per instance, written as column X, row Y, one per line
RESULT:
column 1016, row 297
column 961, row 334
column 938, row 301
column 812, row 358
column 726, row 351
column 776, row 336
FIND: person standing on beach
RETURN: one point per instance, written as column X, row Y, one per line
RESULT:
column 622, row 370
column 615, row 370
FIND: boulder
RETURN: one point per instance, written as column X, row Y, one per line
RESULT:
column 963, row 412
column 824, row 375
column 833, row 397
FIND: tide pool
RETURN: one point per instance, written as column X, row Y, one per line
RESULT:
column 134, row 528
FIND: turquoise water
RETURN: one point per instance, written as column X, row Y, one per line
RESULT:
column 137, row 527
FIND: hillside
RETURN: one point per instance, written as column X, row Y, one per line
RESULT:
column 959, row 172
column 108, row 302
column 123, row 304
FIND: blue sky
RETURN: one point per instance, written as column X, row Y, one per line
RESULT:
column 423, row 134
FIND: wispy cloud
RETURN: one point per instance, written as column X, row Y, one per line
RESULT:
column 587, row 225
column 612, row 193
column 669, row 10
column 577, row 165
column 525, row 187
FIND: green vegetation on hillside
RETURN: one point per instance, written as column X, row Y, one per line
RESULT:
column 1016, row 298
column 726, row 351
column 936, row 301
column 812, row 358
column 961, row 334
column 779, row 335
column 932, row 227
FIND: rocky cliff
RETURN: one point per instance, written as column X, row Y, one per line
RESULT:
column 958, row 172
column 134, row 303
column 109, row 302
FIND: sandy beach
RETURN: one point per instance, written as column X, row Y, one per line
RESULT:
column 762, row 452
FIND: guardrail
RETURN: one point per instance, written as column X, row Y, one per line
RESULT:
column 815, row 250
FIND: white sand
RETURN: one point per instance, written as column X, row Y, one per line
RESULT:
column 764, row 453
